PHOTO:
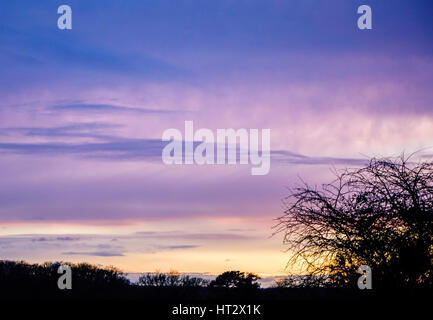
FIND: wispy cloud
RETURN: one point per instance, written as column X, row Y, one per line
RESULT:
column 192, row 236
column 95, row 253
column 117, row 148
column 59, row 238
column 108, row 108
column 178, row 247
column 86, row 129
column 102, row 245
column 289, row 157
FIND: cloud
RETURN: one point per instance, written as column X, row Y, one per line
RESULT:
column 33, row 57
column 192, row 236
column 101, row 245
column 119, row 148
column 93, row 244
column 108, row 108
column 178, row 247
column 60, row 238
column 88, row 129
column 171, row 235
column 289, row 157
column 240, row 230
column 95, row 253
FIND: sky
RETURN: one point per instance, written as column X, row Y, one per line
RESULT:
column 82, row 113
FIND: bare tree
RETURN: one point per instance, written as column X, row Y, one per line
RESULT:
column 380, row 215
column 171, row 279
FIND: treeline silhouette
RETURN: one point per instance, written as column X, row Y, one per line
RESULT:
column 21, row 280
column 38, row 282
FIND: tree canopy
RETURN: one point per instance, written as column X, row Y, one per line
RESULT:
column 236, row 279
column 380, row 215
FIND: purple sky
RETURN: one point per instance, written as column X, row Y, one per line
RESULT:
column 83, row 111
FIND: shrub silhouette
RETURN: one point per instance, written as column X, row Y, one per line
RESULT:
column 380, row 215
column 39, row 281
column 88, row 275
column 171, row 279
column 236, row 279
column 304, row 281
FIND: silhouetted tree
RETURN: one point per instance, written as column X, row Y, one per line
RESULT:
column 39, row 281
column 93, row 276
column 301, row 281
column 236, row 279
column 380, row 215
column 171, row 279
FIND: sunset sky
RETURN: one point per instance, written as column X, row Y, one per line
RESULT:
column 82, row 113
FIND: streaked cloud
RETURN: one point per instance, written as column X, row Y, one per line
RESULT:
column 178, row 247
column 95, row 253
column 115, row 148
column 193, row 236
column 107, row 108
column 59, row 238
